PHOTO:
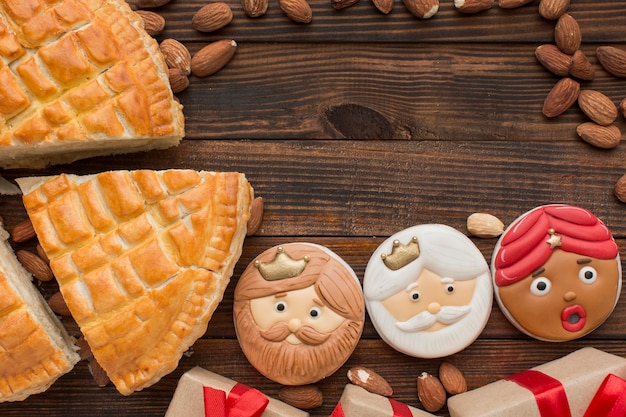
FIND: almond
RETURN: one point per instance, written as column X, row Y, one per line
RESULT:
column 42, row 254
column 451, row 378
column 597, row 106
column 146, row 4
column 562, row 96
column 254, row 8
column 620, row 189
column 484, row 225
column 153, row 23
column 512, row 4
column 370, row 381
column 553, row 59
column 178, row 80
column 580, row 67
column 176, row 55
column 58, row 305
column 213, row 57
column 342, row 4
column 473, row 6
column 99, row 375
column 622, row 107
column 297, row 10
column 35, row 265
column 384, row 6
column 84, row 350
column 256, row 216
column 431, row 392
column 553, row 9
column 424, row 9
column 304, row 397
column 613, row 60
column 567, row 34
column 23, row 232
column 605, row 137
column 212, row 17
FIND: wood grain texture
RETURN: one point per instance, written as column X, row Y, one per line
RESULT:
column 355, row 127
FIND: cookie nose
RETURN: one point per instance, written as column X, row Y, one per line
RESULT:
column 569, row 296
column 293, row 325
column 433, row 308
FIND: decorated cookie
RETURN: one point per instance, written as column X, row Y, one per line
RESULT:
column 557, row 272
column 299, row 313
column 428, row 291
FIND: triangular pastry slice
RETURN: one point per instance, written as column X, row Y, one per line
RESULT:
column 80, row 78
column 35, row 349
column 142, row 259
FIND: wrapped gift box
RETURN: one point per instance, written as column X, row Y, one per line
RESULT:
column 569, row 384
column 189, row 398
column 357, row 402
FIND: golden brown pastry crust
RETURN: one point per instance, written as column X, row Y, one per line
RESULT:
column 35, row 350
column 142, row 259
column 80, row 78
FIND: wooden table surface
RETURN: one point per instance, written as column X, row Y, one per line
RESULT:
column 359, row 125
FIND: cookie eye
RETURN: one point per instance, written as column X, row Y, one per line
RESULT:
column 449, row 288
column 315, row 312
column 540, row 286
column 588, row 275
column 280, row 306
column 414, row 296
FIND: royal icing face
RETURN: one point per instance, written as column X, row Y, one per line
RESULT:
column 428, row 291
column 299, row 313
column 557, row 273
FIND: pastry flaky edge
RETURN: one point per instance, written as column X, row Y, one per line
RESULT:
column 147, row 367
column 44, row 153
column 35, row 349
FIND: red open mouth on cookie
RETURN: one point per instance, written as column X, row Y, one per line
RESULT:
column 573, row 318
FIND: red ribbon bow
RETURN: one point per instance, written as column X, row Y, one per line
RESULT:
column 242, row 401
column 399, row 410
column 609, row 400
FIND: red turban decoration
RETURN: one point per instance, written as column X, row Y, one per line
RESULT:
column 530, row 241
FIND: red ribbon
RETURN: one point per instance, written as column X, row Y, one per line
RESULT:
column 399, row 410
column 242, row 401
column 609, row 400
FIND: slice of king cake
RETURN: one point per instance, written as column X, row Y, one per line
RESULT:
column 142, row 259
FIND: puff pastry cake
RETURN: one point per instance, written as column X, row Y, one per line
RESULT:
column 80, row 78
column 35, row 349
column 142, row 259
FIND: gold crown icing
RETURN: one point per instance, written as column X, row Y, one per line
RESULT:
column 282, row 266
column 401, row 255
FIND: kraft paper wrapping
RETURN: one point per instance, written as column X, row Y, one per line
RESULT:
column 188, row 400
column 357, row 402
column 581, row 373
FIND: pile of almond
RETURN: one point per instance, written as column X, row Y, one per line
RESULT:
column 433, row 391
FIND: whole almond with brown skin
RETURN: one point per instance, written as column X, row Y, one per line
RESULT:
column 42, row 254
column 562, row 96
column 597, row 106
column 99, row 375
column 620, row 189
column 146, row 4
column 553, row 59
column 254, row 8
column 35, row 265
column 212, row 17
column 256, row 216
column 176, row 55
column 297, row 10
column 84, row 350
column 213, row 57
column 58, row 305
column 567, row 34
column 581, row 67
column 384, row 6
column 431, row 392
column 473, row 6
column 178, row 80
column 451, row 378
column 370, row 381
column 484, row 225
column 605, row 137
column 622, row 107
column 553, row 9
column 512, row 4
column 304, row 397
column 423, row 9
column 153, row 23
column 342, row 4
column 23, row 231
column 613, row 60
